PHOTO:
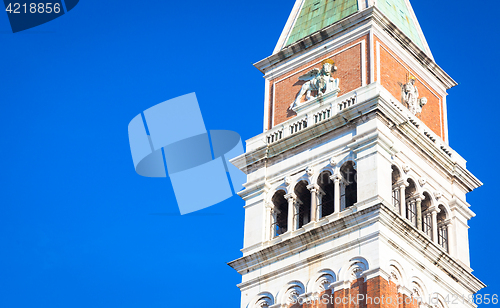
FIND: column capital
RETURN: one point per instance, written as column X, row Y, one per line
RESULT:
column 291, row 196
column 313, row 187
column 434, row 209
column 337, row 177
column 309, row 171
column 447, row 222
column 401, row 184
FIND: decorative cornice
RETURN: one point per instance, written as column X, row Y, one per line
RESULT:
column 430, row 250
column 370, row 14
column 372, row 100
column 375, row 213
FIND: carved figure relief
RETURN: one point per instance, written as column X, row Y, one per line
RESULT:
column 410, row 96
column 319, row 80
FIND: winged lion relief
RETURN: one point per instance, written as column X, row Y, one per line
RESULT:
column 319, row 80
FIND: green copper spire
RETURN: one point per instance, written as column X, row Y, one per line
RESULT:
column 318, row 14
column 315, row 15
column 397, row 11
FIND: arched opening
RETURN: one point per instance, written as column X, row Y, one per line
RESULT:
column 303, row 214
column 426, row 215
column 279, row 214
column 349, row 188
column 411, row 206
column 442, row 225
column 396, row 191
column 327, row 200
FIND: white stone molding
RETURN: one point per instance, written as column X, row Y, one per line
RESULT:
column 333, row 162
column 288, row 180
column 267, row 187
column 406, row 168
column 422, row 181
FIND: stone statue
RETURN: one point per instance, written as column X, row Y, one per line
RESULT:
column 318, row 80
column 410, row 97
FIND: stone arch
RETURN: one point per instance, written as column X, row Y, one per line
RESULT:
column 412, row 188
column 397, row 273
column 354, row 269
column 411, row 192
column 397, row 174
column 262, row 300
column 341, row 161
column 443, row 213
column 426, row 206
column 396, row 180
column 275, row 189
column 349, row 189
column 321, row 281
column 290, row 292
column 327, row 168
column 303, row 211
column 443, row 230
column 418, row 290
column 438, row 301
column 304, row 178
column 279, row 214
column 326, row 185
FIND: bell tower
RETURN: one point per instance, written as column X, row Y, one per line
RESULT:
column 354, row 197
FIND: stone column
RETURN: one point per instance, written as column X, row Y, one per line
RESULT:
column 292, row 200
column 319, row 211
column 451, row 238
column 419, row 214
column 314, row 189
column 270, row 214
column 336, row 193
column 434, row 226
column 402, row 200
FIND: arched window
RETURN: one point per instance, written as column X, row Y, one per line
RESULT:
column 327, row 200
column 279, row 214
column 426, row 215
column 396, row 191
column 442, row 225
column 349, row 189
column 303, row 214
column 411, row 206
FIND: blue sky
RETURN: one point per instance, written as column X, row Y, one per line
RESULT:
column 78, row 226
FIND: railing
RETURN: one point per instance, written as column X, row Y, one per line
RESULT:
column 423, row 129
column 298, row 126
column 347, row 103
column 327, row 109
column 322, row 115
column 311, row 118
column 275, row 136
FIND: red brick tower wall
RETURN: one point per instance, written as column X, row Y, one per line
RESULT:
column 393, row 73
column 373, row 293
